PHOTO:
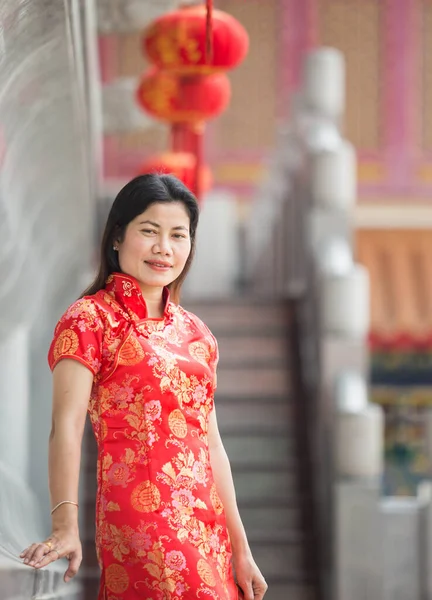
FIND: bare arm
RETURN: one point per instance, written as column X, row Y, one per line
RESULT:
column 248, row 575
column 72, row 383
column 225, row 486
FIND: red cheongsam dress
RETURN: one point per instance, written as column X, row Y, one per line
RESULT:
column 160, row 525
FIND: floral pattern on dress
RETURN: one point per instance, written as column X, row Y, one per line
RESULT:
column 160, row 525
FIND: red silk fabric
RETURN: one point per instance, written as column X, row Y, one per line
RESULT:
column 161, row 529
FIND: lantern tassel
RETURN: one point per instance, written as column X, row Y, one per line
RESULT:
column 209, row 31
column 196, row 136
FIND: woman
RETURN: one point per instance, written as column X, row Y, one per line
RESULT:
column 144, row 369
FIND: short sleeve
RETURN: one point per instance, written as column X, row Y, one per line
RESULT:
column 78, row 335
column 213, row 357
column 214, row 351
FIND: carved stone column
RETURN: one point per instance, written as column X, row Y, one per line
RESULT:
column 14, row 404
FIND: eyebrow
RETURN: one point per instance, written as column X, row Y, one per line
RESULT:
column 157, row 225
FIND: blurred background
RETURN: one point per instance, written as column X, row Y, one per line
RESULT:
column 305, row 129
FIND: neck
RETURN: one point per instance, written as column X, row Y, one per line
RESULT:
column 153, row 297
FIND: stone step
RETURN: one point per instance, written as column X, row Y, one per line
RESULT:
column 256, row 486
column 17, row 580
column 251, row 447
column 264, row 486
column 88, row 528
column 275, row 559
column 293, row 502
column 279, row 520
column 263, row 521
column 89, row 486
column 266, row 450
column 231, row 318
column 265, row 381
column 279, row 559
column 252, row 349
column 280, row 588
column 89, row 553
column 272, row 414
column 90, row 577
column 289, row 590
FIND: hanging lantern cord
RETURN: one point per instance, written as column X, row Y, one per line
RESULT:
column 209, row 31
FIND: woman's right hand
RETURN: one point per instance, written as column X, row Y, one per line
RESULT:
column 62, row 543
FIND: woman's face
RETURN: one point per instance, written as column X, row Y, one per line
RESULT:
column 156, row 245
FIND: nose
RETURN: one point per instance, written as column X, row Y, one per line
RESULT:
column 163, row 246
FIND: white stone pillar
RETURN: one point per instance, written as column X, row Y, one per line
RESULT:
column 216, row 264
column 14, row 401
column 359, row 429
column 345, row 303
column 358, row 541
column 359, row 442
column 333, row 177
column 424, row 493
column 324, row 81
column 401, row 548
column 94, row 92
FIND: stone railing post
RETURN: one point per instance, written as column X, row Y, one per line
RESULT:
column 14, row 405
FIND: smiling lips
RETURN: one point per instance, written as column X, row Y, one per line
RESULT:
column 158, row 265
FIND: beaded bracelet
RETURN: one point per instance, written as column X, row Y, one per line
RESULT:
column 64, row 502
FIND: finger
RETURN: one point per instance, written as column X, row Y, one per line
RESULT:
column 74, row 565
column 47, row 559
column 29, row 552
column 247, row 590
column 259, row 590
column 39, row 553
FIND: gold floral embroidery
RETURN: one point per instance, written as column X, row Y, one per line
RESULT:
column 128, row 288
column 177, row 423
column 146, row 497
column 116, row 540
column 67, row 343
column 131, row 352
column 215, row 500
column 206, row 573
column 117, row 579
column 200, row 352
column 168, row 571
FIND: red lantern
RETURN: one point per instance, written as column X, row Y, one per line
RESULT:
column 183, row 99
column 177, row 41
column 180, row 164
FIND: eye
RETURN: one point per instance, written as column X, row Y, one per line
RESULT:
column 180, row 236
column 148, row 231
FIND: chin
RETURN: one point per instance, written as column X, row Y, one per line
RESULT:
column 161, row 280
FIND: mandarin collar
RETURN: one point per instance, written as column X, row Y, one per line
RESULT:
column 126, row 291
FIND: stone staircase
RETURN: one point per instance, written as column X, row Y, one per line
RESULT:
column 255, row 416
